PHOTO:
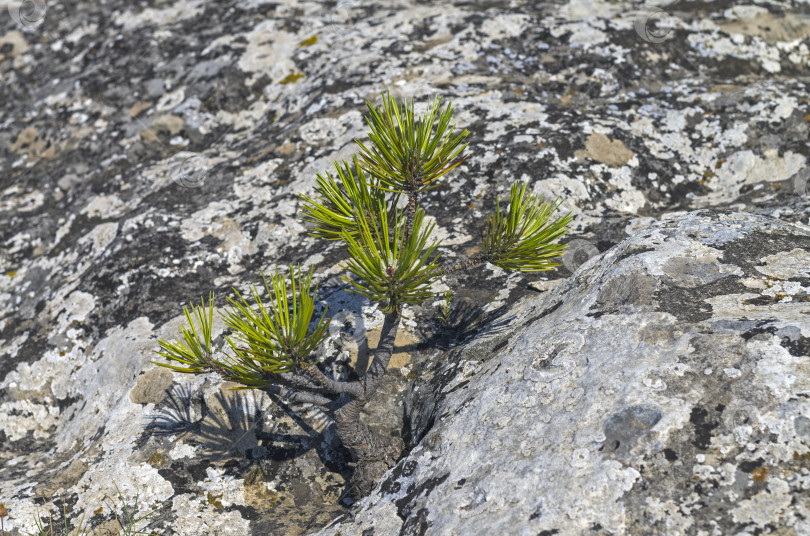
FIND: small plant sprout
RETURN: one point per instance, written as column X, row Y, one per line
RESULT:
column 126, row 522
column 392, row 260
column 446, row 308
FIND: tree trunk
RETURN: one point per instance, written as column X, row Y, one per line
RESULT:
column 373, row 453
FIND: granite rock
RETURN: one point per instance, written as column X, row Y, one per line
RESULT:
column 663, row 389
column 152, row 152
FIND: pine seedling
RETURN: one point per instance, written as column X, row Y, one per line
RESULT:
column 392, row 260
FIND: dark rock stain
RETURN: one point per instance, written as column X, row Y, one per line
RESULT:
column 703, row 428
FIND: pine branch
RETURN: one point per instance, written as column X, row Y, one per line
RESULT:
column 299, row 381
column 299, row 396
column 337, row 201
column 411, row 212
column 406, row 154
column 392, row 270
column 522, row 238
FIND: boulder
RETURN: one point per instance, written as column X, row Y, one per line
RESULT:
column 663, row 389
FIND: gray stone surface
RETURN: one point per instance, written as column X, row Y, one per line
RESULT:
column 599, row 408
column 151, row 152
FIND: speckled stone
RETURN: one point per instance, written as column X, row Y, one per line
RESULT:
column 598, row 408
column 151, row 153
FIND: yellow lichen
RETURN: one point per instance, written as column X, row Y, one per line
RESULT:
column 214, row 500
column 802, row 458
column 157, row 460
column 759, row 474
column 254, row 476
column 311, row 41
column 292, row 77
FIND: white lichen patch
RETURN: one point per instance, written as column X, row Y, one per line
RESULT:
column 766, row 507
column 178, row 11
column 269, row 51
column 104, row 206
column 196, row 515
column 786, row 264
column 183, row 450
column 77, row 307
column 21, row 202
column 100, row 237
column 746, row 168
column 447, row 237
column 779, row 370
column 27, row 417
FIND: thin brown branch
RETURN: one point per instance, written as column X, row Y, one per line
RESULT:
column 410, row 212
column 464, row 265
column 328, row 384
column 382, row 355
column 214, row 367
column 294, row 396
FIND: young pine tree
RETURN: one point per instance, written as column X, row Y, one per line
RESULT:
column 392, row 261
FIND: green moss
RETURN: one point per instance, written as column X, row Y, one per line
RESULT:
column 292, row 77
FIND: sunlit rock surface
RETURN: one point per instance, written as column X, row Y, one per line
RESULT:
column 150, row 153
column 663, row 389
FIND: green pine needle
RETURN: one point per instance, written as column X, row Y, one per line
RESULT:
column 406, row 154
column 274, row 338
column 521, row 239
column 333, row 211
column 391, row 269
column 196, row 345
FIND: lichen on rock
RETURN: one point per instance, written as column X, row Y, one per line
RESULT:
column 151, row 153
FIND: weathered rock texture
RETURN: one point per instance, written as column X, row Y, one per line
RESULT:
column 151, row 152
column 664, row 389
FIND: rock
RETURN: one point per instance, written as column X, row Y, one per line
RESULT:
column 662, row 389
column 151, row 154
column 602, row 149
column 151, row 387
column 543, row 286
